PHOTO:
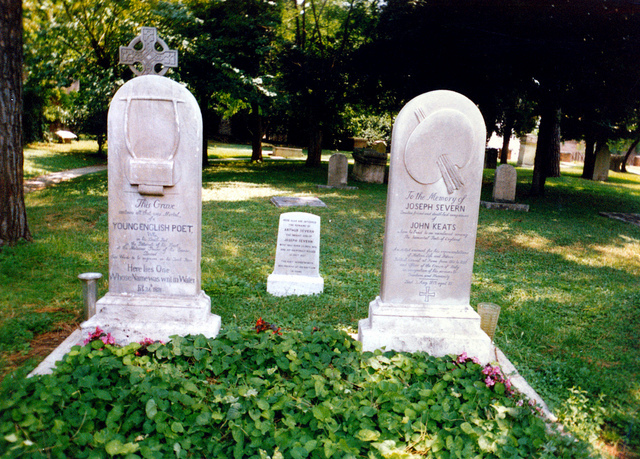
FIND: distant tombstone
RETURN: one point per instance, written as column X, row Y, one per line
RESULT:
column 602, row 163
column 369, row 165
column 437, row 155
column 338, row 170
column 296, row 270
column 155, row 157
column 504, row 185
column 527, row 153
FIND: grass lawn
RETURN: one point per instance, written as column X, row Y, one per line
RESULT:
column 567, row 279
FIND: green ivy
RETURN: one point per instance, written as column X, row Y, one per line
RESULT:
column 300, row 394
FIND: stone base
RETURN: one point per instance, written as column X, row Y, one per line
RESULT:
column 369, row 173
column 132, row 318
column 505, row 206
column 438, row 331
column 286, row 285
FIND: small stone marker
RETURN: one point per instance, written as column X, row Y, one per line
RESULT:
column 338, row 173
column 504, row 185
column 296, row 270
column 504, row 190
column 437, row 155
column 338, row 170
column 292, row 201
column 155, row 207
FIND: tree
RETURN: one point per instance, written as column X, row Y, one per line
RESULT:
column 13, row 216
column 80, row 39
column 316, row 62
column 583, row 60
column 226, row 53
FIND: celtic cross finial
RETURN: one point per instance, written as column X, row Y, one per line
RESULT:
column 148, row 55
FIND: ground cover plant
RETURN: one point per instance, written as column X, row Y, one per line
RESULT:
column 565, row 276
column 264, row 392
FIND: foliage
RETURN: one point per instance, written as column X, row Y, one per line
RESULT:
column 316, row 62
column 308, row 393
column 370, row 126
column 562, row 273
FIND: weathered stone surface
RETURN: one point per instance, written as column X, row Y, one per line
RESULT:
column 437, row 156
column 527, row 153
column 293, row 201
column 505, row 206
column 297, row 266
column 155, row 141
column 602, row 163
column 504, row 184
column 369, row 165
column 338, row 170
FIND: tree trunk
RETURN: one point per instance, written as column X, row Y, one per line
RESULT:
column 314, row 154
column 629, row 151
column 256, row 134
column 13, row 215
column 589, row 157
column 547, row 161
column 506, row 137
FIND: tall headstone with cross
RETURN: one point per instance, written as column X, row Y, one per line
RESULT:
column 435, row 177
column 155, row 206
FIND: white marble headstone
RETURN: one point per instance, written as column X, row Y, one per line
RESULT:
column 155, row 181
column 437, row 156
column 297, row 266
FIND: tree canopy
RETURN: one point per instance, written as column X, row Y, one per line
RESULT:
column 309, row 63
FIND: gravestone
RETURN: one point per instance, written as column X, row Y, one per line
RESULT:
column 296, row 269
column 155, row 206
column 437, row 155
column 602, row 163
column 369, row 165
column 527, row 152
column 504, row 184
column 338, row 170
column 297, row 201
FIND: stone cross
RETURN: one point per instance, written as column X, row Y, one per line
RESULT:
column 147, row 55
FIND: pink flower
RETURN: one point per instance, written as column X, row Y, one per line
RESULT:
column 462, row 358
column 108, row 339
column 99, row 334
column 489, row 381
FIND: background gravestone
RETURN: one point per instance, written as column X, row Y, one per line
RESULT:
column 155, row 181
column 296, row 269
column 504, row 184
column 338, row 170
column 602, row 163
column 437, row 155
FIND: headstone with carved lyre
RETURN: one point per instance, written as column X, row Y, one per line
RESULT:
column 435, row 178
column 155, row 205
